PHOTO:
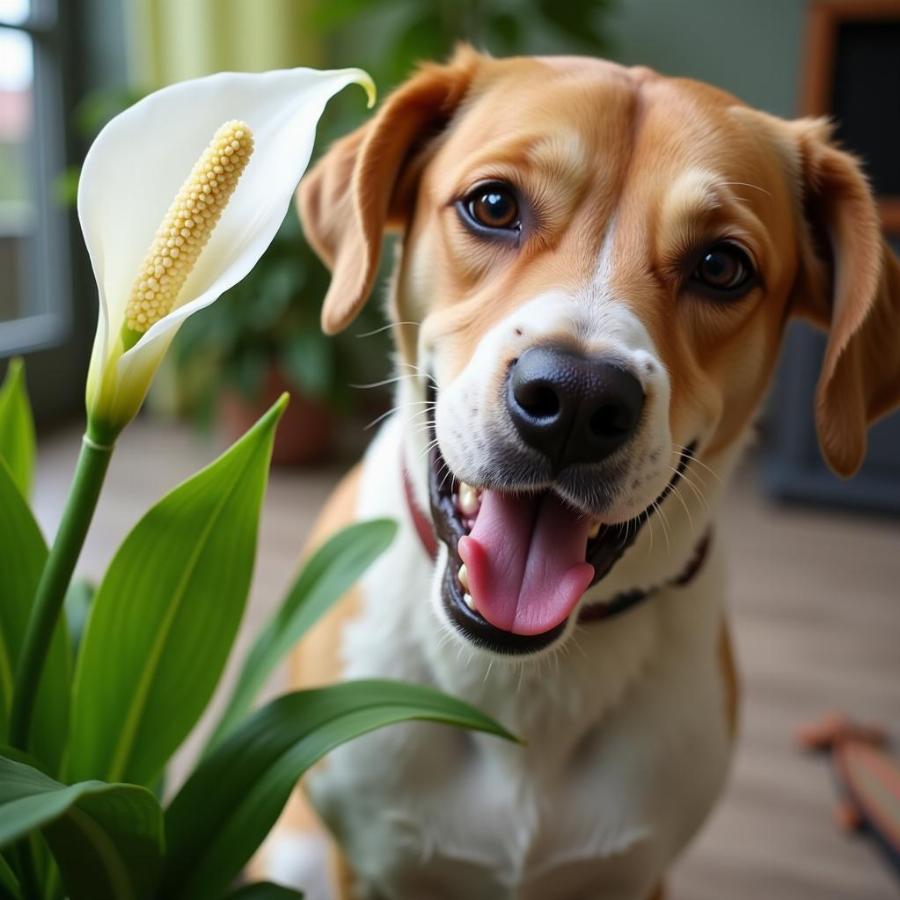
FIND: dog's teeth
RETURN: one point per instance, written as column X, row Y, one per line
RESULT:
column 463, row 576
column 468, row 500
column 467, row 597
column 595, row 529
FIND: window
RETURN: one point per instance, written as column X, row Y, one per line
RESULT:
column 35, row 304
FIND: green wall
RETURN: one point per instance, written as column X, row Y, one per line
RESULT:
column 752, row 48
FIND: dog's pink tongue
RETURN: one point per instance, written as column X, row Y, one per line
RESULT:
column 525, row 561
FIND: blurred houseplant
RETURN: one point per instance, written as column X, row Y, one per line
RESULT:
column 391, row 36
column 262, row 338
column 91, row 712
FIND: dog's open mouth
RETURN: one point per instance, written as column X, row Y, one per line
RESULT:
column 518, row 563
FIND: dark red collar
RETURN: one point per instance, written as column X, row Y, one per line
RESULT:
column 597, row 612
column 421, row 522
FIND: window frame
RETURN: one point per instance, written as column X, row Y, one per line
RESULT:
column 48, row 322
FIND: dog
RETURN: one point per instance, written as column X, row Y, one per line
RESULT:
column 594, row 271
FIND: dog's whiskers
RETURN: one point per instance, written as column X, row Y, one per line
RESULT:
column 397, row 407
column 657, row 508
column 696, row 461
column 418, row 426
column 676, row 492
column 385, row 381
column 430, row 445
column 422, row 373
column 702, row 500
column 698, row 493
column 447, row 474
column 577, row 646
column 384, row 328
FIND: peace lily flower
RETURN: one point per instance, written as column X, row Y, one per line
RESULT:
column 170, row 226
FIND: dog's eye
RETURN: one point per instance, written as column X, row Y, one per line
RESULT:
column 493, row 206
column 723, row 270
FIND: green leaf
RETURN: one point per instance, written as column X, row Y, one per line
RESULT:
column 77, row 606
column 249, row 371
column 423, row 39
column 310, row 362
column 31, row 851
column 22, row 557
column 99, row 106
column 22, row 756
column 65, row 187
column 273, row 296
column 577, row 20
column 233, row 798
column 264, row 890
column 17, row 427
column 105, row 838
column 165, row 616
column 328, row 574
column 329, row 16
column 9, row 884
column 504, row 32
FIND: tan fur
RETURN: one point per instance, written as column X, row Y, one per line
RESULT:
column 728, row 670
column 316, row 660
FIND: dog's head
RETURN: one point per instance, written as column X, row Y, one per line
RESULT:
column 595, row 272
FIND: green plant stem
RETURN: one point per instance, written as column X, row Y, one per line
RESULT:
column 84, row 492
column 27, row 868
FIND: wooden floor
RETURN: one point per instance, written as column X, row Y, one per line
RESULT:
column 816, row 602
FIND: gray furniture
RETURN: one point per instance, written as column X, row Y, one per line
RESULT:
column 794, row 469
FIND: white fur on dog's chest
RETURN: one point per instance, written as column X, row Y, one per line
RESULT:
column 626, row 745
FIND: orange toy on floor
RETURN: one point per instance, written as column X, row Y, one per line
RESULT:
column 868, row 778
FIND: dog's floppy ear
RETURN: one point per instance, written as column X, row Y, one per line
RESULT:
column 353, row 193
column 850, row 285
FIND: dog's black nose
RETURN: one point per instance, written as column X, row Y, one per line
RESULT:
column 571, row 408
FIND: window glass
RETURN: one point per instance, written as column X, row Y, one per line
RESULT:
column 14, row 12
column 17, row 202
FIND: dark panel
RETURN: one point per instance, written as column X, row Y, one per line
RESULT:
column 866, row 98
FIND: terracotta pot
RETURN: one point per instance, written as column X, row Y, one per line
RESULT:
column 305, row 433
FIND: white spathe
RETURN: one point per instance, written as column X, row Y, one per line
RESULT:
column 133, row 171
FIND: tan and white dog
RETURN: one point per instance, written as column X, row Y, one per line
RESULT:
column 594, row 274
